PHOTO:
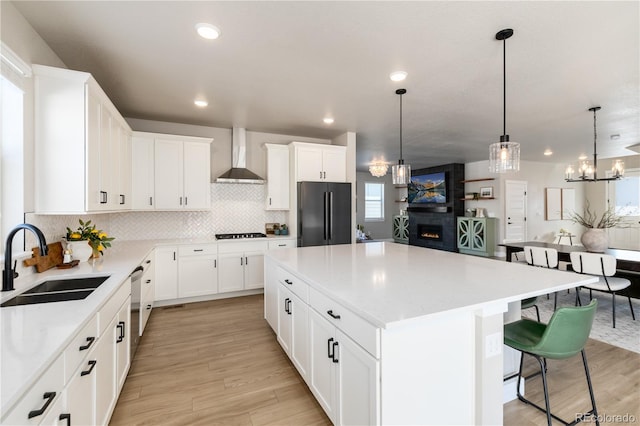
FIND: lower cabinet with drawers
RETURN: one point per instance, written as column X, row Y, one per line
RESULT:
column 335, row 351
column 82, row 385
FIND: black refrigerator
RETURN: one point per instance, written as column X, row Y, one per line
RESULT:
column 324, row 213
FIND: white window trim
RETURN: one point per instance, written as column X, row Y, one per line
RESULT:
column 382, row 219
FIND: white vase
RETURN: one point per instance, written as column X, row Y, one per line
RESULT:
column 595, row 240
column 80, row 250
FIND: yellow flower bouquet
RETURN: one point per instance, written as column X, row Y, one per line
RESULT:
column 98, row 239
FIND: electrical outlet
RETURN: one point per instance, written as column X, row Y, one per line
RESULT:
column 493, row 345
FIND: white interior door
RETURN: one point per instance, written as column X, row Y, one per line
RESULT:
column 515, row 211
column 624, row 194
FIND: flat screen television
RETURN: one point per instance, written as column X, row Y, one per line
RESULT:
column 431, row 188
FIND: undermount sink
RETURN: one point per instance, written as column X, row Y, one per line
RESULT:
column 57, row 291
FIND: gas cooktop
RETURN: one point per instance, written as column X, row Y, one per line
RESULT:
column 236, row 236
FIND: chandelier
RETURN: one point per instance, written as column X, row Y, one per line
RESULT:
column 504, row 156
column 378, row 169
column 401, row 172
column 589, row 172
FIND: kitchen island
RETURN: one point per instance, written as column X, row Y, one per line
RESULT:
column 386, row 333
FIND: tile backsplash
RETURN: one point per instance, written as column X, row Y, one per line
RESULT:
column 234, row 208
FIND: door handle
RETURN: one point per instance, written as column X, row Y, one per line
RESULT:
column 49, row 396
column 90, row 341
column 92, row 364
column 329, row 346
column 333, row 357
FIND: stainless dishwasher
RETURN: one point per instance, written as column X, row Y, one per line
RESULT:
column 136, row 290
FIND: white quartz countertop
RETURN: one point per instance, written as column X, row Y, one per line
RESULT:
column 388, row 283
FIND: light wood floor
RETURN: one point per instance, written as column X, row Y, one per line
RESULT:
column 215, row 363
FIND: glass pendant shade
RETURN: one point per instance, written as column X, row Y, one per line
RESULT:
column 504, row 157
column 401, row 173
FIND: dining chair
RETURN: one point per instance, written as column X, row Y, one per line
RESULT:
column 604, row 267
column 563, row 337
column 544, row 258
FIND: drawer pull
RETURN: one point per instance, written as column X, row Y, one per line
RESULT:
column 198, row 249
column 286, row 305
column 147, row 262
column 148, row 307
column 67, row 417
column 90, row 341
column 282, row 245
column 49, row 396
column 147, row 281
column 332, row 315
column 288, row 282
column 92, row 363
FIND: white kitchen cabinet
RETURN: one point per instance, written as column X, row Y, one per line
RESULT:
column 123, row 175
column 277, row 177
column 166, row 273
column 142, row 173
column 74, row 143
column 271, row 296
column 293, row 328
column 182, row 174
column 81, row 393
column 147, row 291
column 122, row 346
column 241, row 265
column 319, row 163
column 197, row 270
column 344, row 378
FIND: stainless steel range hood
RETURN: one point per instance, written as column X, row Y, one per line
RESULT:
column 239, row 172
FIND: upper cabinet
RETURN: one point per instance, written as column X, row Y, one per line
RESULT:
column 82, row 149
column 174, row 172
column 277, row 177
column 319, row 163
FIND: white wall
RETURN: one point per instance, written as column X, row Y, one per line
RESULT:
column 538, row 177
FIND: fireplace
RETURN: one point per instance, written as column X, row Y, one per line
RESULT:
column 430, row 232
column 434, row 225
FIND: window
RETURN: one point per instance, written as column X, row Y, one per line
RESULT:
column 373, row 201
column 13, row 72
column 627, row 194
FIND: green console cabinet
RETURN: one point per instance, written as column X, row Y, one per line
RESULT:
column 477, row 235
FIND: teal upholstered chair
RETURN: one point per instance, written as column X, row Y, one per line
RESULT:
column 564, row 336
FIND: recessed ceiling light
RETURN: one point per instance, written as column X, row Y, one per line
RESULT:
column 548, row 152
column 398, row 75
column 201, row 103
column 328, row 120
column 208, row 31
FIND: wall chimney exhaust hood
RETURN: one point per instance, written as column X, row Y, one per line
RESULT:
column 239, row 172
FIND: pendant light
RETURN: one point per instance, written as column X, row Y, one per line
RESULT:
column 401, row 172
column 378, row 169
column 504, row 156
column 588, row 171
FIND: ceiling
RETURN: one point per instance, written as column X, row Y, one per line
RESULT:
column 281, row 67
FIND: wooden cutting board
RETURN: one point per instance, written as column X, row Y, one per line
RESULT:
column 43, row 263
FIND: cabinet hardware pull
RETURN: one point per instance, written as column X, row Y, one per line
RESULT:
column 332, row 315
column 329, row 354
column 241, row 260
column 180, row 200
column 198, row 249
column 320, row 174
column 246, row 260
column 282, row 245
column 147, row 281
column 103, row 197
column 148, row 261
column 324, row 174
column 49, row 397
column 120, row 327
column 148, row 307
column 150, row 201
column 333, row 356
column 123, row 326
column 92, row 363
column 215, row 263
column 174, row 255
column 286, row 305
column 186, row 200
column 269, row 200
column 121, row 198
column 67, row 417
column 90, row 341
column 288, row 282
